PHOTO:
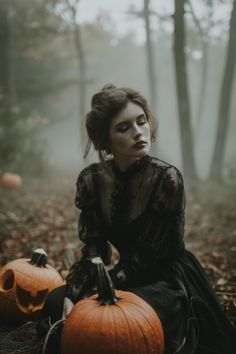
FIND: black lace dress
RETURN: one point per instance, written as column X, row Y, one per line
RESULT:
column 141, row 212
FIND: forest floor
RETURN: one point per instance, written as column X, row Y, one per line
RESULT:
column 42, row 215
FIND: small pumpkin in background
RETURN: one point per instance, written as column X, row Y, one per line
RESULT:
column 11, row 180
column 24, row 285
column 114, row 322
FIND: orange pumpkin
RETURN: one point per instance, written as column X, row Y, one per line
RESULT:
column 11, row 180
column 112, row 322
column 24, row 285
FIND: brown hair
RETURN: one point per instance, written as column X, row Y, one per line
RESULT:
column 105, row 105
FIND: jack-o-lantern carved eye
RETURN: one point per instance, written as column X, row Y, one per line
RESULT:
column 7, row 280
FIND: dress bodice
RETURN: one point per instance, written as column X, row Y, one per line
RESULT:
column 140, row 211
column 141, row 206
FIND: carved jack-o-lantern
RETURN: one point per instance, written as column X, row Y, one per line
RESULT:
column 24, row 285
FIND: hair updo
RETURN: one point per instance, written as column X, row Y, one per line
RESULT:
column 106, row 104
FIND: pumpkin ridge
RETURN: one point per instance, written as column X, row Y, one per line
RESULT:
column 85, row 303
column 128, row 324
column 106, row 313
column 94, row 320
column 144, row 334
column 39, row 271
column 114, row 329
column 28, row 276
column 161, row 332
column 84, row 343
column 147, row 323
column 47, row 278
column 82, row 305
column 134, row 321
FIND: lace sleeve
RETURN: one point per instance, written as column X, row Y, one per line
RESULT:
column 159, row 235
column 81, row 277
column 164, row 229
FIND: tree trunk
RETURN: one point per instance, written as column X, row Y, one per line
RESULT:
column 4, row 41
column 150, row 57
column 81, row 74
column 82, row 78
column 5, row 116
column 182, row 93
column 225, row 100
column 202, row 91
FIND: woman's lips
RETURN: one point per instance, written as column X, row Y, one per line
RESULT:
column 140, row 145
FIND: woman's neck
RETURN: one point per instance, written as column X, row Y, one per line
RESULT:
column 124, row 164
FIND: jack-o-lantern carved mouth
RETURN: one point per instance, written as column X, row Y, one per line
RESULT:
column 29, row 302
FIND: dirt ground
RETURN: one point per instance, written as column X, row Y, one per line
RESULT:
column 42, row 214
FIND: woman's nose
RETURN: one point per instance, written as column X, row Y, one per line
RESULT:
column 137, row 132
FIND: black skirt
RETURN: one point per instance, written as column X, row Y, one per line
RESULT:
column 189, row 310
column 183, row 298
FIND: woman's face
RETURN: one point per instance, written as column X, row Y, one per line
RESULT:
column 129, row 135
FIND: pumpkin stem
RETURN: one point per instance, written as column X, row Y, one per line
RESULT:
column 105, row 287
column 39, row 258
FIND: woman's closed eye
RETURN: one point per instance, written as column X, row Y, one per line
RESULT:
column 122, row 128
column 142, row 120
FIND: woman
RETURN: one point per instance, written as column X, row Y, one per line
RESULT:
column 137, row 202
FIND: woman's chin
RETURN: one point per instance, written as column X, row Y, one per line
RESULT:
column 143, row 151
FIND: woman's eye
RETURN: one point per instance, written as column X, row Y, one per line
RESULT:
column 142, row 121
column 122, row 128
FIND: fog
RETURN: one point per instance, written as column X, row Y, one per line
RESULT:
column 44, row 76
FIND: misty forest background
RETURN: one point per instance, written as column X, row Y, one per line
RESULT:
column 52, row 62
column 51, row 65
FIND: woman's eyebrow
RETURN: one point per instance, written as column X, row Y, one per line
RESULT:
column 128, row 121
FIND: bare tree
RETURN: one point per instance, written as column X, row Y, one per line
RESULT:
column 150, row 55
column 183, row 93
column 73, row 6
column 6, row 146
column 145, row 15
column 4, row 45
column 225, row 101
column 204, row 33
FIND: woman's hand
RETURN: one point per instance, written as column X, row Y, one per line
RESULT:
column 67, row 307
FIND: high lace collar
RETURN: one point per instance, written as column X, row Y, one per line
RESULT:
column 132, row 169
